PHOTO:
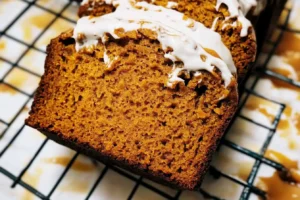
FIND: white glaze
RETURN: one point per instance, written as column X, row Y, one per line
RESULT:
column 187, row 38
column 84, row 2
column 214, row 24
column 246, row 5
column 109, row 61
column 91, row 6
column 235, row 10
column 172, row 4
column 261, row 5
column 106, row 58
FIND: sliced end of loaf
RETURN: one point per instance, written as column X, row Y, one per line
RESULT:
column 125, row 115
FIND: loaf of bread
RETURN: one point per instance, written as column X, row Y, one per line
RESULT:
column 148, row 86
column 240, row 40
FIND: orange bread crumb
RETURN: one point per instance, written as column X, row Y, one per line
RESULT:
column 126, row 115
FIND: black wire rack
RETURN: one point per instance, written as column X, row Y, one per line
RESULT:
column 248, row 185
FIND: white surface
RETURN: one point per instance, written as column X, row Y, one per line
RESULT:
column 12, row 50
column 30, row 24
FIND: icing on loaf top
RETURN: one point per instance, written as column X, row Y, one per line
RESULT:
column 186, row 37
column 238, row 11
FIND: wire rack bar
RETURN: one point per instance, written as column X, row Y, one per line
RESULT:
column 254, row 155
column 282, row 78
column 23, row 184
column 12, row 140
column 36, row 39
column 135, row 188
column 3, row 122
column 15, row 88
column 232, row 178
column 141, row 183
column 30, row 163
column 263, row 97
column 24, row 69
column 209, row 196
column 97, row 182
column 288, row 29
column 256, row 123
column 54, row 13
column 62, row 175
column 18, row 16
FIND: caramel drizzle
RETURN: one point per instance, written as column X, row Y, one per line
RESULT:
column 278, row 189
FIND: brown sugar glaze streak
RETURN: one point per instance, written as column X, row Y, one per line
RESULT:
column 278, row 189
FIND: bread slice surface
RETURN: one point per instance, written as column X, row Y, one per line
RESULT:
column 125, row 115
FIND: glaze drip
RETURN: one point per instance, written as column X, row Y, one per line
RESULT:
column 238, row 10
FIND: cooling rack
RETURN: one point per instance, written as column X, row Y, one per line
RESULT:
column 248, row 185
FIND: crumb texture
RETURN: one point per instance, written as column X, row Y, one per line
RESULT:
column 126, row 113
